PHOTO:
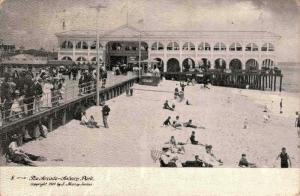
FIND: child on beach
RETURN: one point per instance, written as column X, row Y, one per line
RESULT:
column 84, row 119
column 167, row 122
column 167, row 107
column 193, row 140
column 176, row 124
column 280, row 105
column 245, row 123
column 92, row 123
column 265, row 108
column 174, row 146
column 244, row 163
column 176, row 93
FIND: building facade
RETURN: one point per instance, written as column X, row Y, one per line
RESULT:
column 175, row 51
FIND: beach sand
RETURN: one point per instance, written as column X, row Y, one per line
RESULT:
column 135, row 129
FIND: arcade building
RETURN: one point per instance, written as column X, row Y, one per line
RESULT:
column 174, row 51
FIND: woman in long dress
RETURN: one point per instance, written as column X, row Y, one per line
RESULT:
column 46, row 98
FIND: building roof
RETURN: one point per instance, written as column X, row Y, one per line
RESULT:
column 130, row 31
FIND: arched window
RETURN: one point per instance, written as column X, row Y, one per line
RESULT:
column 67, row 45
column 94, row 44
column 267, row 47
column 157, row 46
column 251, row 47
column 94, row 59
column 220, row 46
column 66, row 58
column 235, row 47
column 173, row 46
column 204, row 46
column 81, row 45
column 81, row 59
column 188, row 46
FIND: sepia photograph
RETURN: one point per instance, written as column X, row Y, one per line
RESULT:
column 155, row 84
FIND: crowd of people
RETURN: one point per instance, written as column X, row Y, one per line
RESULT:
column 172, row 152
column 24, row 93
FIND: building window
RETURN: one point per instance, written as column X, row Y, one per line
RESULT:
column 81, row 45
column 93, row 46
column 204, row 46
column 67, row 58
column 251, row 47
column 220, row 46
column 188, row 46
column 267, row 47
column 173, row 46
column 67, row 45
column 81, row 59
column 235, row 47
column 157, row 46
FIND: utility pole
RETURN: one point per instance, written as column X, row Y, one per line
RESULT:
column 97, row 7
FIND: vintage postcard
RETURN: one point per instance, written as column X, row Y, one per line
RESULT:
column 131, row 97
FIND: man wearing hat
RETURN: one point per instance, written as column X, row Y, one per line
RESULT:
column 105, row 114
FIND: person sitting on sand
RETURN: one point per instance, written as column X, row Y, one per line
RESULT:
column 176, row 124
column 174, row 146
column 17, row 155
column 187, row 102
column 166, row 106
column 166, row 160
column 193, row 139
column 244, row 163
column 92, row 123
column 196, row 163
column 208, row 149
column 84, row 119
column 189, row 124
column 167, row 122
column 266, row 118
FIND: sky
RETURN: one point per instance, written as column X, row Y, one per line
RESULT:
column 33, row 23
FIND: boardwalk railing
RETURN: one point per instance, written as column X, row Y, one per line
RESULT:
column 259, row 79
column 59, row 114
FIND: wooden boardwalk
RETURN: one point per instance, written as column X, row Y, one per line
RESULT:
column 59, row 115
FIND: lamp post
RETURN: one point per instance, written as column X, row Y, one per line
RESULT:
column 97, row 7
column 140, row 56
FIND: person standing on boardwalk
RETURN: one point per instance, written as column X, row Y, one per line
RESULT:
column 297, row 123
column 105, row 113
column 285, row 159
column 280, row 104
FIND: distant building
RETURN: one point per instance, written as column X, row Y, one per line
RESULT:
column 174, row 50
column 6, row 49
column 26, row 61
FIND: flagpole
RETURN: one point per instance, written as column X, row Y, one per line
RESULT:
column 139, row 55
column 98, row 7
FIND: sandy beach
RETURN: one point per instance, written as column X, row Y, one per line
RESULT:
column 135, row 129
